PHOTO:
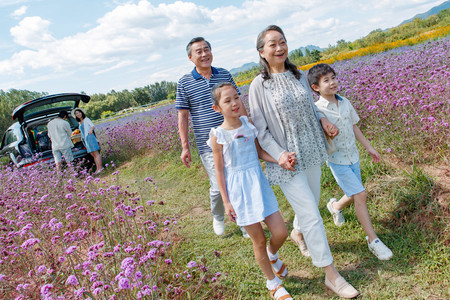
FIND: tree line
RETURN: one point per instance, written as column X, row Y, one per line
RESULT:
column 113, row 101
column 99, row 104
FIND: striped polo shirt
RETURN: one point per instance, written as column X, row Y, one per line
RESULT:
column 194, row 94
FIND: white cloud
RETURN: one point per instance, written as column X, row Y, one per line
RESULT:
column 131, row 30
column 32, row 32
column 11, row 2
column 19, row 12
column 154, row 57
column 119, row 65
column 152, row 38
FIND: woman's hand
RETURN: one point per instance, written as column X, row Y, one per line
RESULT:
column 329, row 128
column 91, row 131
column 229, row 210
column 287, row 160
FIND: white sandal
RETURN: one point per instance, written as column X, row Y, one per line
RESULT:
column 280, row 293
column 283, row 268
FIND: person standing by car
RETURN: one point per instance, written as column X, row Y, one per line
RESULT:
column 88, row 137
column 194, row 98
column 59, row 133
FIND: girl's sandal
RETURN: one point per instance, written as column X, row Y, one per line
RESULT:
column 280, row 293
column 280, row 272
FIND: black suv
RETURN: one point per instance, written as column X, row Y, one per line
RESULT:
column 26, row 142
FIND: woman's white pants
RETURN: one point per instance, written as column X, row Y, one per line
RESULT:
column 303, row 193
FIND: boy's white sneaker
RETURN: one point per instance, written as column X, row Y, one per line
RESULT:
column 219, row 227
column 338, row 217
column 379, row 249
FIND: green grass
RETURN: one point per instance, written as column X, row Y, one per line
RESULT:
column 404, row 215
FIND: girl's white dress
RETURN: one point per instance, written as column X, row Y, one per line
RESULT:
column 248, row 188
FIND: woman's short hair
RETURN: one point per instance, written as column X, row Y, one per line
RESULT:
column 217, row 89
column 260, row 41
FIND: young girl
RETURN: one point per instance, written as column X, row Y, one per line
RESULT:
column 247, row 196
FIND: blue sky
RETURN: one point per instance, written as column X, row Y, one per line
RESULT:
column 96, row 46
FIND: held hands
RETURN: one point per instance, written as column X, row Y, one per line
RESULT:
column 186, row 157
column 329, row 128
column 229, row 210
column 287, row 160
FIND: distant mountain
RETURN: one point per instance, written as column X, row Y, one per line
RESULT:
column 243, row 68
column 309, row 47
column 431, row 12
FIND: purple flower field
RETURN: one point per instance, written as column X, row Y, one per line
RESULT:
column 403, row 98
column 141, row 133
column 72, row 236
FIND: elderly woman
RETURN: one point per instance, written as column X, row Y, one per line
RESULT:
column 88, row 137
column 290, row 130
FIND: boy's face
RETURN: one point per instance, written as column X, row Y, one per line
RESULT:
column 328, row 85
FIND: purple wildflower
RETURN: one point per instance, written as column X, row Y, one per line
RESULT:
column 191, row 264
column 72, row 280
column 124, row 283
column 70, row 250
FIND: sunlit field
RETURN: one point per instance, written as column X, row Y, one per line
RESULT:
column 142, row 229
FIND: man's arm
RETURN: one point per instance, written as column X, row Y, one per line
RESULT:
column 183, row 124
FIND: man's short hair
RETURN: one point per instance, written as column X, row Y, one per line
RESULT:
column 195, row 40
column 63, row 114
column 317, row 72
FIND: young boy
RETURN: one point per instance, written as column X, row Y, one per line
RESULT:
column 344, row 162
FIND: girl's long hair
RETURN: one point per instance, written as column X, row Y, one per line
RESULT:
column 265, row 71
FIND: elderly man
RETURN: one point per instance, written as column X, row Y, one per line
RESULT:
column 194, row 98
column 59, row 133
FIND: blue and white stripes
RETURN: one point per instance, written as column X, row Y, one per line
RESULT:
column 194, row 94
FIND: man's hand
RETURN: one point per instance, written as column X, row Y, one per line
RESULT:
column 186, row 157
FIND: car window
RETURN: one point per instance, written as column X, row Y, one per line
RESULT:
column 66, row 104
column 10, row 137
column 3, row 141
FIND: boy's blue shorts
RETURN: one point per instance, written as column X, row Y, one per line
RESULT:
column 348, row 177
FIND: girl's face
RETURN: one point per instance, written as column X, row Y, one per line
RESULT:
column 229, row 103
column 78, row 114
column 275, row 49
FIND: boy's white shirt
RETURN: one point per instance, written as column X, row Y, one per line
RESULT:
column 344, row 117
